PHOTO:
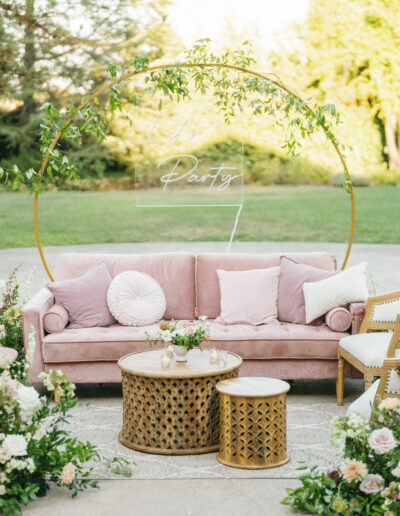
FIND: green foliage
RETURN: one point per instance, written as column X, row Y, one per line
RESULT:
column 11, row 335
column 51, row 51
column 353, row 59
column 225, row 75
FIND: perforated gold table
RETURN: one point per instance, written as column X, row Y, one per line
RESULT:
column 253, row 422
column 174, row 410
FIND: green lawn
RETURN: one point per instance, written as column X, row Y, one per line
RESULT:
column 282, row 213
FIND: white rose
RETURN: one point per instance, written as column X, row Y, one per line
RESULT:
column 16, row 444
column 382, row 441
column 202, row 317
column 2, row 490
column 165, row 335
column 396, row 471
column 372, row 484
column 28, row 399
column 40, row 432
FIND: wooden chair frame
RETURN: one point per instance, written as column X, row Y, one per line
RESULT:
column 381, row 394
column 368, row 324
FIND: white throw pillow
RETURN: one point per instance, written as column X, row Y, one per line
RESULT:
column 136, row 299
column 348, row 286
column 362, row 405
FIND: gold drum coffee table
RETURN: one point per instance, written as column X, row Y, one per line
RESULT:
column 173, row 410
column 253, row 423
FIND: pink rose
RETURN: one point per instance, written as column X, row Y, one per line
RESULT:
column 382, row 441
column 372, row 484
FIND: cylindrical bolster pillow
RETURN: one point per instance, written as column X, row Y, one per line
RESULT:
column 338, row 319
column 55, row 319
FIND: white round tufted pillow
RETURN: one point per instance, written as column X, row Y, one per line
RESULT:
column 136, row 299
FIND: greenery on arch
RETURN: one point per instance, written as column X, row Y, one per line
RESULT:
column 230, row 79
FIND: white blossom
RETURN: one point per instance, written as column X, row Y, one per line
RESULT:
column 396, row 471
column 372, row 484
column 40, row 432
column 16, row 444
column 382, row 440
column 28, row 401
column 5, row 455
column 20, row 465
column 165, row 335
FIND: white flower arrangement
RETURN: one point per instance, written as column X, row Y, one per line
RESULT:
column 15, row 444
column 32, row 428
column 181, row 333
column 368, row 479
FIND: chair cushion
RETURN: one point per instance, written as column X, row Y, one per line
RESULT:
column 174, row 272
column 362, row 405
column 267, row 341
column 369, row 348
column 136, row 299
column 208, row 294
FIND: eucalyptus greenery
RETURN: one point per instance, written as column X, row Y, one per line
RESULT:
column 230, row 79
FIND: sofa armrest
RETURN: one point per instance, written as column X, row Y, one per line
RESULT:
column 32, row 318
column 357, row 311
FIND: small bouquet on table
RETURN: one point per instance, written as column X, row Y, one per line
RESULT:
column 180, row 337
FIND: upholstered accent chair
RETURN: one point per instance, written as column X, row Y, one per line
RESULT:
column 378, row 339
column 388, row 386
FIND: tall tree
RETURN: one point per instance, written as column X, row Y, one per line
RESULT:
column 55, row 50
column 353, row 52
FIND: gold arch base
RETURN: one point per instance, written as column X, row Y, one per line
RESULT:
column 187, row 65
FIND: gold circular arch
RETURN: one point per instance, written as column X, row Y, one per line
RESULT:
column 186, row 65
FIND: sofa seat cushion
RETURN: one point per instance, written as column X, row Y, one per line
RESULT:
column 267, row 341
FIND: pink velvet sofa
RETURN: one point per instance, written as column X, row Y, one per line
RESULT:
column 191, row 287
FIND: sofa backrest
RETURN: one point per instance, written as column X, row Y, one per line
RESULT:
column 207, row 285
column 175, row 272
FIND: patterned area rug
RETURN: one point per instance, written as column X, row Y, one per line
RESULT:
column 310, row 409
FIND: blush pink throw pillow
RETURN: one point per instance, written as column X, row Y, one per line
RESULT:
column 85, row 298
column 291, row 305
column 248, row 297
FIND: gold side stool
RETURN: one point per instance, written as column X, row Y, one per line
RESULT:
column 252, row 421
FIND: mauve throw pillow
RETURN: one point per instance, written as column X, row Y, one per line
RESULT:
column 248, row 297
column 291, row 304
column 85, row 298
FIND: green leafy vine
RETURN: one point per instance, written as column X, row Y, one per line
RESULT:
column 228, row 76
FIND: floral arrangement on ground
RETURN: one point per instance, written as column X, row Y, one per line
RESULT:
column 36, row 450
column 368, row 480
